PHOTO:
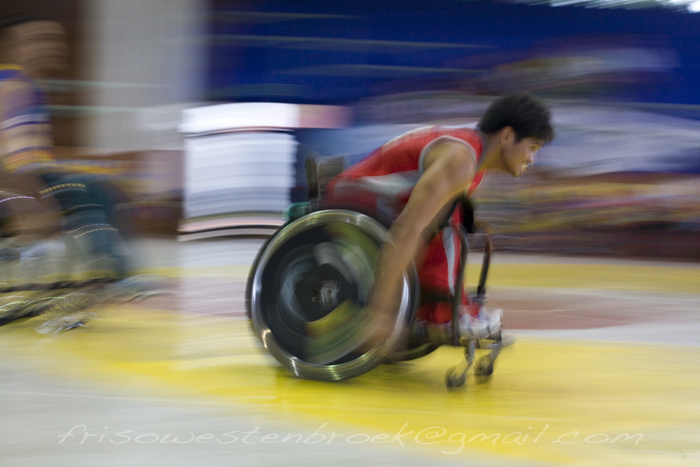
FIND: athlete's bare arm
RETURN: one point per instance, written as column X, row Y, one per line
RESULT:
column 448, row 169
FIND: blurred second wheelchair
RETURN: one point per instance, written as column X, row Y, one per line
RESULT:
column 59, row 270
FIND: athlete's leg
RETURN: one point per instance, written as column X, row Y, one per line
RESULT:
column 88, row 216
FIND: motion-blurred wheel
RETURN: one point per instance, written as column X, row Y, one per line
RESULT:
column 307, row 291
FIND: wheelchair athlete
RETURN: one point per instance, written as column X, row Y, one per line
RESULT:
column 415, row 180
column 32, row 49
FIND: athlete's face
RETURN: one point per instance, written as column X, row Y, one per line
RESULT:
column 518, row 155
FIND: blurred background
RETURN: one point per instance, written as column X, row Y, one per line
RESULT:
column 209, row 108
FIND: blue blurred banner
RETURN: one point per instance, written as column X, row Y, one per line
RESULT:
column 342, row 51
column 623, row 84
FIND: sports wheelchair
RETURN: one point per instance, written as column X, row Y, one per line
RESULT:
column 49, row 269
column 309, row 283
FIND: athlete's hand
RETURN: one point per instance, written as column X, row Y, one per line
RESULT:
column 382, row 324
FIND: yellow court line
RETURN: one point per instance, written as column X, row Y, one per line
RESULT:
column 561, row 402
column 605, row 277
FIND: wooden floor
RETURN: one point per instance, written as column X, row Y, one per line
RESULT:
column 605, row 371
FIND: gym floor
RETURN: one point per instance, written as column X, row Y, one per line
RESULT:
column 604, row 371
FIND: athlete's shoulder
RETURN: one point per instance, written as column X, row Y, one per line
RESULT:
column 13, row 79
column 467, row 134
column 12, row 72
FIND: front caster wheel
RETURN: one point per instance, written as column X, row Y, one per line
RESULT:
column 483, row 368
column 454, row 380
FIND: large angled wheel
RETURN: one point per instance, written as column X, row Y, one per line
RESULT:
column 22, row 220
column 307, row 291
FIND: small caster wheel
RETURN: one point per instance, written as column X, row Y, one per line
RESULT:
column 455, row 380
column 483, row 368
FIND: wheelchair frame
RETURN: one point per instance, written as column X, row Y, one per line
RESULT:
column 455, row 377
column 39, row 296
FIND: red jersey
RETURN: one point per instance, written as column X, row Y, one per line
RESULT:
column 393, row 169
column 383, row 182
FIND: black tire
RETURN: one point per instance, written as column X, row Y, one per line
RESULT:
column 413, row 351
column 15, row 211
column 307, row 288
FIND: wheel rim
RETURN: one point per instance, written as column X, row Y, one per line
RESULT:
column 319, row 269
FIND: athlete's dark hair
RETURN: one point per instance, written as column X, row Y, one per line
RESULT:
column 528, row 117
column 10, row 21
column 15, row 20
